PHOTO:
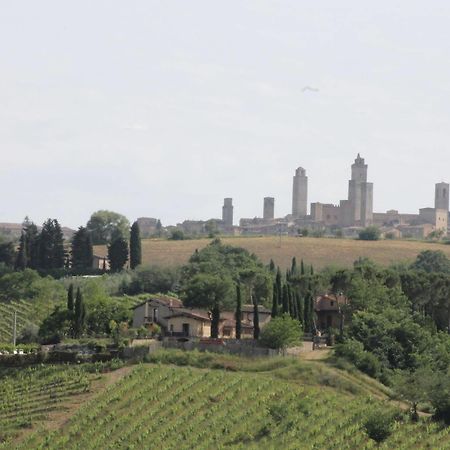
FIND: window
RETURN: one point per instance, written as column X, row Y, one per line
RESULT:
column 332, row 303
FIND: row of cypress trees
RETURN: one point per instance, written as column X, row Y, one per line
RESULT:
column 45, row 250
column 294, row 295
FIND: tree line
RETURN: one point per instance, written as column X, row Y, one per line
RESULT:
column 46, row 251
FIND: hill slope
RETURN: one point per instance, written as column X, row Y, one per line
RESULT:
column 320, row 252
column 162, row 406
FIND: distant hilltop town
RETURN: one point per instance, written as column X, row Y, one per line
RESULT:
column 345, row 218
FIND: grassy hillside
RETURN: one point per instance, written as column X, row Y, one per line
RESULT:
column 259, row 404
column 317, row 251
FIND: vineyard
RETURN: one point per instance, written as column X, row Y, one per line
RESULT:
column 159, row 406
column 25, row 315
column 29, row 395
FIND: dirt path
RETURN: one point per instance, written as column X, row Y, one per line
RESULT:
column 316, row 355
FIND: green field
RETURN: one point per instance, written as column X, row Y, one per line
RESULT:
column 264, row 404
column 320, row 252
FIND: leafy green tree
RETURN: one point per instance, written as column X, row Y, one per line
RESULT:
column 233, row 265
column 439, row 395
column 82, row 253
column 117, row 254
column 281, row 332
column 56, row 326
column 135, row 246
column 413, row 387
column 7, row 253
column 51, row 246
column 238, row 315
column 432, row 261
column 106, row 226
column 371, row 233
column 208, row 291
column 155, row 279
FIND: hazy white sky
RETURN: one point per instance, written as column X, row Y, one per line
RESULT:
column 163, row 108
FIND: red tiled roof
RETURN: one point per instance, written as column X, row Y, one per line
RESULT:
column 192, row 313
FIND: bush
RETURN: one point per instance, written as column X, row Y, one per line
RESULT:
column 378, row 425
column 177, row 235
column 365, row 361
column 281, row 332
column 369, row 234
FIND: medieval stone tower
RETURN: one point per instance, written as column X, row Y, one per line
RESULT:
column 441, row 199
column 360, row 195
column 300, row 194
column 227, row 212
column 269, row 208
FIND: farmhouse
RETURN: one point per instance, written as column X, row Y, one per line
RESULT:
column 189, row 323
column 329, row 311
column 178, row 321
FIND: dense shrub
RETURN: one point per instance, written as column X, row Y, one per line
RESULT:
column 369, row 234
column 378, row 425
column 281, row 332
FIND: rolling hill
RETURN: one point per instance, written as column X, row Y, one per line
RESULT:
column 320, row 252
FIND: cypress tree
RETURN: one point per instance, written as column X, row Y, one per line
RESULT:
column 255, row 319
column 158, row 228
column 70, row 302
column 312, row 270
column 294, row 266
column 272, row 266
column 307, row 314
column 135, row 246
column 22, row 258
column 117, row 254
column 274, row 301
column 82, row 253
column 278, row 286
column 294, row 305
column 31, row 243
column 51, row 246
column 215, row 320
column 289, row 296
column 79, row 314
column 285, row 299
column 302, row 267
column 238, row 315
column 300, row 309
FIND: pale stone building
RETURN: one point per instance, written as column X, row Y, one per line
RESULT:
column 227, row 212
column 269, row 208
column 300, row 194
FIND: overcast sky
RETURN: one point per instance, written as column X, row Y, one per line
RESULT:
column 163, row 108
